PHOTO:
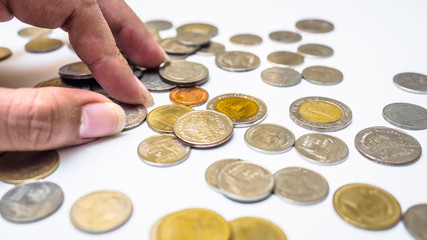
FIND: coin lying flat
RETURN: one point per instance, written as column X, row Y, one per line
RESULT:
column 315, row 50
column 34, row 32
column 314, row 26
column 211, row 174
column 246, row 39
column 204, row 28
column 75, row 71
column 322, row 75
column 285, row 36
column 285, row 58
column 135, row 114
column 184, row 73
column 411, row 82
column 154, row 83
column 366, row 206
column 212, row 48
column 192, row 38
column 281, row 77
column 269, row 138
column 415, row 220
column 387, row 146
column 190, row 96
column 406, row 115
column 171, row 46
column 31, row 201
column 253, row 228
column 159, row 25
column 162, row 119
column 42, row 45
column 237, row 61
column 54, row 82
column 101, row 211
column 5, row 53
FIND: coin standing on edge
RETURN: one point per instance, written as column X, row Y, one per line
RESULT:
column 315, row 50
column 415, row 221
column 162, row 119
column 314, row 26
column 285, row 36
column 212, row 172
column 269, row 138
column 190, row 96
column 285, row 58
column 322, row 75
column 281, row 77
column 411, row 82
column 237, row 61
column 184, row 73
column 43, row 45
column 254, row 228
column 246, row 39
column 406, row 115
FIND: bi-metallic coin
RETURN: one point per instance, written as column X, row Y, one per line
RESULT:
column 75, row 71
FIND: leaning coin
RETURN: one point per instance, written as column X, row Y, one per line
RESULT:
column 159, row 25
column 204, row 28
column 212, row 48
column 31, row 201
column 285, row 36
column 184, row 73
column 322, row 75
column 5, row 53
column 42, row 45
column 411, row 82
column 154, row 83
column 269, row 138
column 237, row 61
column 285, row 58
column 189, row 96
column 211, row 174
column 254, row 228
column 387, row 146
column 192, row 38
column 315, row 50
column 246, row 39
column 34, row 32
column 75, row 71
column 415, row 220
column 406, row 115
column 171, row 46
column 101, row 211
column 366, row 206
column 281, row 77
column 314, row 26
column 162, row 119
column 135, row 114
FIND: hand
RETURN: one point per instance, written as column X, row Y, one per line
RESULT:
column 46, row 118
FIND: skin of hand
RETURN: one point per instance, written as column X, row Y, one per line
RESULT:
column 52, row 117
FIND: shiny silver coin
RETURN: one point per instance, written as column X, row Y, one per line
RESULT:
column 246, row 39
column 269, row 138
column 387, row 146
column 135, row 114
column 322, row 75
column 237, row 61
column 184, row 73
column 281, row 77
column 31, row 201
column 75, row 71
column 315, row 50
column 212, row 48
column 285, row 58
column 171, row 46
column 285, row 36
column 159, row 25
column 192, row 38
column 212, row 172
column 411, row 82
column 314, row 26
column 406, row 115
column 154, row 83
column 415, row 221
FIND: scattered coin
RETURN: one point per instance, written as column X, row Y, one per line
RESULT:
column 34, row 32
column 190, row 96
column 254, row 228
column 159, row 25
column 5, row 53
column 269, row 138
column 211, row 174
column 315, row 26
column 246, row 39
column 212, row 48
column 315, row 50
column 135, row 114
column 415, row 220
column 366, row 206
column 322, row 75
column 162, row 119
column 285, row 36
column 281, row 77
column 42, row 45
column 285, row 58
column 237, row 61
column 204, row 28
column 31, row 201
column 154, row 83
column 184, row 73
column 192, row 38
column 387, row 146
column 75, row 71
column 411, row 82
column 406, row 115
column 101, row 211
column 171, row 46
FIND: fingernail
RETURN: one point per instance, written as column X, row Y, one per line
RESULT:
column 101, row 119
column 148, row 101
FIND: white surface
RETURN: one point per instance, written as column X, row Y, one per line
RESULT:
column 372, row 40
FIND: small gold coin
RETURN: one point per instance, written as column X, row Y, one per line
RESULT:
column 34, row 32
column 204, row 28
column 320, row 111
column 5, row 53
column 191, row 96
column 366, row 206
column 42, row 45
column 285, row 58
column 101, row 211
column 253, row 228
column 315, row 26
column 246, row 39
column 162, row 119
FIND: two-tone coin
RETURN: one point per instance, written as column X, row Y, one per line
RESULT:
column 154, row 83
column 189, row 96
column 212, row 48
column 162, row 119
column 5, row 53
column 237, row 61
column 411, row 82
column 75, row 71
column 43, row 45
column 322, row 75
column 281, row 77
column 315, row 50
column 246, row 39
column 254, row 228
column 269, row 138
column 184, row 73
column 415, row 221
column 315, row 25
column 212, row 172
column 54, row 82
column 285, row 58
column 203, row 28
column 285, row 36
column 406, row 115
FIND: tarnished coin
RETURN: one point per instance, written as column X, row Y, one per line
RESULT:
column 192, row 38
column 204, row 28
column 246, row 39
column 190, row 96
column 18, row 167
column 31, row 201
column 300, row 185
column 171, row 46
column 163, row 150
column 212, row 48
column 203, row 128
column 322, row 148
column 245, row 182
column 184, row 73
column 387, row 146
column 366, row 206
column 34, row 32
column 315, row 50
column 285, row 36
column 54, row 82
column 253, row 228
column 406, row 115
column 320, row 114
column 75, row 71
column 211, row 174
column 244, row 110
column 281, row 77
column 415, row 220
column 314, row 26
column 285, row 58
column 101, row 211
column 322, row 75
column 135, row 114
column 269, row 138
column 237, row 61
column 411, row 82
column 42, row 45
column 159, row 25
column 154, row 83
column 5, row 53
column 162, row 119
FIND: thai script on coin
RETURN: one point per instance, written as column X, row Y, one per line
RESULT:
column 42, row 45
column 184, row 73
column 5, row 53
column 237, row 61
column 285, row 36
column 285, row 58
column 415, row 221
column 212, row 172
column 189, row 96
column 322, row 75
column 281, row 77
column 269, row 138
column 411, row 82
column 254, row 228
column 315, row 25
column 154, row 83
column 162, row 119
column 406, row 115
column 315, row 50
column 246, row 39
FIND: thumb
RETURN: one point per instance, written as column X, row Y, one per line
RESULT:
column 52, row 117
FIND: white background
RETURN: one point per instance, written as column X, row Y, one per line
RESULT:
column 372, row 40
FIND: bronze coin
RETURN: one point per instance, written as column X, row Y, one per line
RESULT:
column 191, row 97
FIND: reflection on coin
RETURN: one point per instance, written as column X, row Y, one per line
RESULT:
column 42, row 45
column 18, row 167
column 34, row 32
column 204, row 28
column 322, row 75
column 152, row 81
column 212, row 48
column 162, row 119
column 237, row 61
column 320, row 114
column 315, row 50
column 253, row 228
column 322, row 148
column 5, row 53
column 163, row 150
column 387, row 146
column 406, row 115
column 246, row 39
column 191, row 96
column 159, row 25
column 366, row 206
column 31, row 201
column 415, row 220
column 192, row 38
column 77, row 70
column 184, row 73
column 285, row 58
column 171, row 46
column 135, row 114
column 101, row 211
column 285, row 36
column 281, row 77
column 54, row 82
column 411, row 82
column 269, row 138
column 315, row 26
column 211, row 174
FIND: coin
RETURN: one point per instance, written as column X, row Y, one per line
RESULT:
column 406, row 115
column 285, row 36
column 301, row 186
column 184, row 73
column 285, row 58
column 244, row 110
column 204, row 28
column 237, row 61
column 281, row 77
column 245, row 182
column 135, row 114
column 322, row 148
column 170, row 45
column 315, row 50
column 159, row 25
column 387, row 146
column 153, row 82
column 42, row 45
column 411, row 82
column 366, row 206
column 101, row 211
column 203, row 128
column 190, row 96
column 192, row 38
column 322, row 75
column 269, row 138
column 75, row 71
column 163, row 150
column 162, row 119
column 34, row 32
column 415, row 220
column 18, row 167
column 246, row 39
column 31, row 201
column 254, row 228
column 5, row 53
column 314, row 26
column 212, row 48
column 211, row 174
column 320, row 114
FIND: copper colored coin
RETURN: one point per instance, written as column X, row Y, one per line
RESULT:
column 191, row 96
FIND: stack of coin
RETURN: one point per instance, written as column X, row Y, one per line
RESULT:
column 162, row 119
column 76, row 74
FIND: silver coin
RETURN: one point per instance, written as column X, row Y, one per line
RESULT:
column 154, row 83
column 285, row 36
column 204, row 28
column 281, row 77
column 406, row 115
column 184, row 73
column 192, row 38
column 212, row 48
column 285, row 58
column 387, row 146
column 314, row 26
column 411, row 82
column 211, row 174
column 322, row 75
column 415, row 221
column 237, row 61
column 315, row 50
column 321, row 148
column 246, row 39
column 269, row 138
column 75, row 71
column 135, row 114
column 159, row 25
column 171, row 46
column 31, row 201
column 301, row 186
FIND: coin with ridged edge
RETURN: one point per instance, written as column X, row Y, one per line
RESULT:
column 315, row 26
column 237, row 61
column 415, row 220
column 285, row 58
column 281, row 77
column 411, row 82
column 254, row 228
column 162, row 119
column 406, row 115
column 43, row 45
column 184, row 73
column 269, row 138
column 211, row 174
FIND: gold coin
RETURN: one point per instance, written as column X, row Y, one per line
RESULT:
column 191, row 96
column 54, row 82
column 18, row 167
column 320, row 111
column 34, row 32
column 367, row 206
column 285, row 58
column 42, row 45
column 253, row 228
column 5, row 53
column 101, row 211
column 161, row 119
